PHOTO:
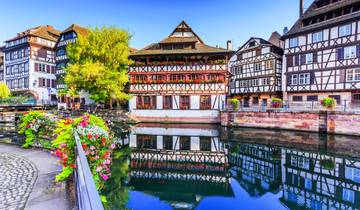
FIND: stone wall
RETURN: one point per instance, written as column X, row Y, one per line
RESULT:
column 330, row 122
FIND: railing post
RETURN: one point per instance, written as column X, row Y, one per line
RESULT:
column 345, row 105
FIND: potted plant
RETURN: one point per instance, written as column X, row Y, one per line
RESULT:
column 328, row 103
column 276, row 102
column 234, row 104
column 328, row 164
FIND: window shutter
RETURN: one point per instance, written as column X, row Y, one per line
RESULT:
column 340, row 54
column 296, row 60
column 342, row 75
column 48, row 69
column 36, row 67
column 312, row 78
column 40, row 82
column 290, row 60
column 303, row 59
column 315, row 57
column 358, row 51
column 288, row 80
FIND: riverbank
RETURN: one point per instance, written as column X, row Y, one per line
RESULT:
column 38, row 190
column 344, row 123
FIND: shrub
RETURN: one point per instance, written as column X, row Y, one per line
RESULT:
column 327, row 164
column 35, row 125
column 96, row 141
column 235, row 103
column 4, row 91
column 328, row 103
column 276, row 102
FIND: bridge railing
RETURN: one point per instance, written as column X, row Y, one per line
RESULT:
column 87, row 195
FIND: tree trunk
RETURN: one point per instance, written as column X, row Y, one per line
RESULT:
column 111, row 103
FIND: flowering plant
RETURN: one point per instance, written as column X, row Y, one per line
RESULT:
column 328, row 103
column 97, row 143
column 35, row 125
column 276, row 102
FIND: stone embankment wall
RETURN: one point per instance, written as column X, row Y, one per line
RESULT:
column 326, row 122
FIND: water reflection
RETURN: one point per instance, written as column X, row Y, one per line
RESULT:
column 207, row 167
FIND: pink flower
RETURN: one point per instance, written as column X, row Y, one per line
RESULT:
column 104, row 177
column 97, row 157
column 107, row 162
column 92, row 147
column 112, row 146
column 62, row 145
column 98, row 169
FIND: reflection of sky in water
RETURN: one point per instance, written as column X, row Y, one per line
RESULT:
column 242, row 200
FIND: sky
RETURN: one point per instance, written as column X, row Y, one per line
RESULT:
column 149, row 21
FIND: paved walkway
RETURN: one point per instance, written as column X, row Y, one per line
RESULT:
column 27, row 180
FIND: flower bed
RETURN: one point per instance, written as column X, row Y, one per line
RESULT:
column 36, row 125
column 96, row 141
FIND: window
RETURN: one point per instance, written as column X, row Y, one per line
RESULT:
column 177, row 77
column 350, row 52
column 146, row 142
column 309, row 58
column 167, row 102
column 266, row 81
column 336, row 97
column 257, row 66
column 205, row 102
column 205, row 143
column 352, row 174
column 348, row 195
column 317, row 37
column 353, row 75
column 297, row 98
column 356, row 98
column 167, row 142
column 60, row 52
column 304, row 79
column 293, row 42
column 294, row 79
column 308, row 184
column 146, row 102
column 184, row 102
column 345, row 30
column 269, row 64
column 184, row 143
column 312, row 98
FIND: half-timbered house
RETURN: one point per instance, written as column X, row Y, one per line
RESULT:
column 30, row 63
column 179, row 79
column 322, row 51
column 69, row 35
column 256, row 71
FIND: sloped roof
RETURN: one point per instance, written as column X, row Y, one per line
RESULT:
column 78, row 29
column 46, row 32
column 181, row 34
column 258, row 40
column 275, row 39
column 314, row 11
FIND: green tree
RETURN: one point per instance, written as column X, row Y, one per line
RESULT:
column 99, row 63
column 4, row 91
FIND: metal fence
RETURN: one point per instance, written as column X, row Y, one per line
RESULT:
column 88, row 197
column 303, row 106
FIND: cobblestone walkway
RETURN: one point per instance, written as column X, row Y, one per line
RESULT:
column 17, row 178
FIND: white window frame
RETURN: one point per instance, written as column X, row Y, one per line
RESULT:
column 258, row 66
column 345, row 30
column 309, row 58
column 294, row 79
column 318, row 37
column 348, row 195
column 350, row 52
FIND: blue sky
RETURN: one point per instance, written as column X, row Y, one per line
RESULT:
column 215, row 21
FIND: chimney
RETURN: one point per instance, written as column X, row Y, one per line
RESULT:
column 301, row 8
column 285, row 30
column 228, row 45
column 217, row 46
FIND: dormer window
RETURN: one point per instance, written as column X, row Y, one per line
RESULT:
column 252, row 44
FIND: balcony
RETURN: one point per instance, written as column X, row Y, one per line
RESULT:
column 178, row 68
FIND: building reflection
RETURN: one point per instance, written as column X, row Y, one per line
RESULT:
column 182, row 164
column 315, row 180
column 257, row 168
column 179, row 164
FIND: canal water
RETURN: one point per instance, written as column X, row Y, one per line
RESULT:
column 179, row 166
column 207, row 167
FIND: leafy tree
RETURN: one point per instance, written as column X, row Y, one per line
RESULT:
column 4, row 91
column 98, row 64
